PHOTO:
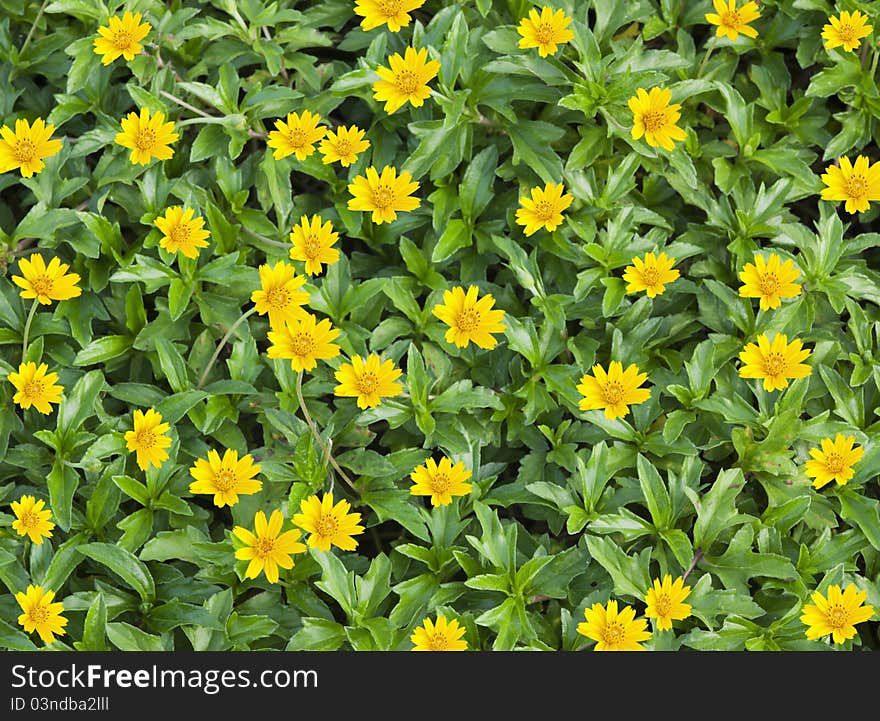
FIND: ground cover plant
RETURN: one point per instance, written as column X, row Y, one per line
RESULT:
column 423, row 324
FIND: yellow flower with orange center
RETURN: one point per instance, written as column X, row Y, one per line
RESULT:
column 181, row 231
column 40, row 614
column 846, row 31
column 664, row 601
column 731, row 20
column 856, row 183
column 544, row 31
column 441, row 481
column 328, row 524
column 655, row 118
column 368, row 380
column 406, row 80
column 121, row 36
column 469, row 318
column 147, row 439
column 650, row 274
column 383, row 195
column 344, row 145
column 26, row 147
column 543, row 209
column 440, row 636
column 303, row 342
column 298, row 135
column 312, row 242
column 147, row 137
column 770, row 280
column 225, row 479
column 31, row 519
column 279, row 296
column 35, row 387
column 835, row 461
column 614, row 391
column 46, row 283
column 267, row 548
column 774, row 362
column 393, row 13
column 836, row 614
column 614, row 630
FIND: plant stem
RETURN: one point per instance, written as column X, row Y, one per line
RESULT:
column 317, row 435
column 186, row 105
column 709, row 49
column 698, row 556
column 27, row 329
column 222, row 343
column 30, row 34
column 263, row 238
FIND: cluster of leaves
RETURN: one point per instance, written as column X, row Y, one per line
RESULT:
column 568, row 508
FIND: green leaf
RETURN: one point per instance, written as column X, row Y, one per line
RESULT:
column 124, row 564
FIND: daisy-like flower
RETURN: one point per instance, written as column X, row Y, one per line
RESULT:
column 857, row 183
column 837, row 614
column 368, row 380
column 148, row 439
column 35, row 387
column 40, row 614
column 312, row 243
column 121, row 37
column 266, row 549
column 835, row 461
column 770, row 280
column 731, row 20
column 846, row 31
column 304, row 342
column 384, row 195
column 543, row 209
column 544, row 31
column 298, row 135
column 181, row 231
column 147, row 137
column 46, row 283
column 655, row 118
column 441, row 636
column 468, row 318
column 328, row 524
column 226, row 479
column 613, row 631
column 27, row 146
column 393, row 13
column 406, row 80
column 664, row 601
column 441, row 481
column 31, row 519
column 279, row 296
column 650, row 274
column 775, row 362
column 344, row 145
column 615, row 391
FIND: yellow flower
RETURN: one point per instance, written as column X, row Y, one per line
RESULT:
column 769, row 280
column 344, row 145
column 732, row 20
column 304, row 342
column 40, row 614
column 543, row 209
column 227, row 479
column 312, row 243
column 469, row 319
column 148, row 438
column 394, row 13
column 384, row 195
column 265, row 549
column 328, row 524
column 27, row 146
column 835, row 461
column 837, row 614
column 615, row 391
column 279, row 296
column 368, row 380
column 856, row 184
column 121, row 37
column 655, row 118
column 544, row 31
column 35, row 387
column 664, row 601
column 613, row 631
column 406, row 80
column 847, row 30
column 298, row 135
column 46, row 283
column 147, row 137
column 440, row 636
column 31, row 520
column 650, row 274
column 440, row 481
column 775, row 362
column 181, row 231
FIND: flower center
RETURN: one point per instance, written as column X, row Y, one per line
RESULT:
column 42, row 285
column 837, row 616
column 731, row 19
column 834, row 463
column 278, row 298
column 145, row 139
column 25, row 150
column 468, row 320
column 664, row 605
column 545, row 210
column 407, row 82
column 29, row 519
column 438, row 642
column 225, row 480
column 613, row 633
column 383, row 197
column 303, row 345
column 654, row 120
column 145, row 439
column 264, row 547
column 775, row 364
column 856, row 186
column 769, row 284
column 34, row 389
column 122, row 39
column 39, row 615
column 847, row 32
column 327, row 526
column 651, row 277
column 180, row 233
column 297, row 137
column 440, row 483
column 612, row 393
column 389, row 8
column 343, row 148
column 368, row 383
column 312, row 247
column 545, row 33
